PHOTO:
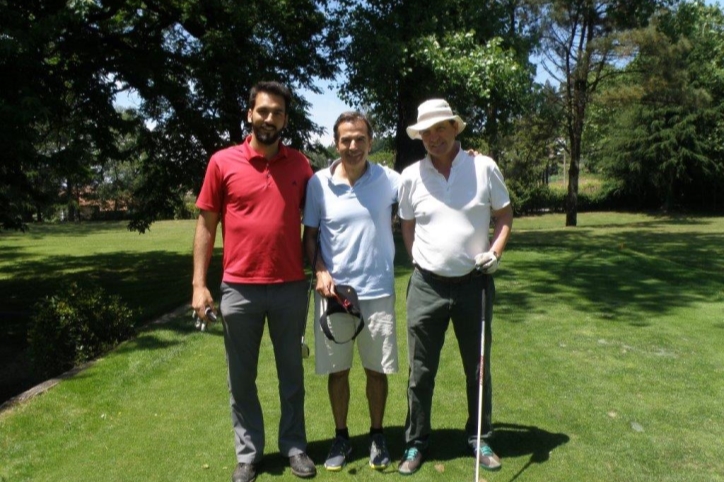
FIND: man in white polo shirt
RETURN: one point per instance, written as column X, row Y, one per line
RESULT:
column 446, row 202
column 348, row 211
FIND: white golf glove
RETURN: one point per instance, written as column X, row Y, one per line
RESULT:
column 487, row 262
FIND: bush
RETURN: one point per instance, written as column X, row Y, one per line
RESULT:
column 187, row 208
column 78, row 324
column 535, row 199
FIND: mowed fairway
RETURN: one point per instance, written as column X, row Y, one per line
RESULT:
column 607, row 364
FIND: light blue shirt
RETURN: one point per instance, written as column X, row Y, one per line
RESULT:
column 355, row 227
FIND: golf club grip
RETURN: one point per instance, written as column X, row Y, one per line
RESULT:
column 210, row 314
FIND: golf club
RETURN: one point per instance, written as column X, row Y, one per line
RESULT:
column 305, row 347
column 480, row 385
column 200, row 324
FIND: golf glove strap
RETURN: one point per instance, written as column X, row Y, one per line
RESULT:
column 487, row 262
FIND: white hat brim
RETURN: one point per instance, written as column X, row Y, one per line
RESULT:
column 414, row 130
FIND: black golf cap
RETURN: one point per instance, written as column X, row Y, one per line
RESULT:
column 345, row 302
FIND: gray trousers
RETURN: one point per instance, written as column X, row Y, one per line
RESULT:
column 431, row 304
column 245, row 308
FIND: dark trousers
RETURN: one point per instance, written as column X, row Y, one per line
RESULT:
column 431, row 305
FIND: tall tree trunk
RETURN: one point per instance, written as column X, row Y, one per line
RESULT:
column 576, row 133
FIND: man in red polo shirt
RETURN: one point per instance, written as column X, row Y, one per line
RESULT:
column 256, row 190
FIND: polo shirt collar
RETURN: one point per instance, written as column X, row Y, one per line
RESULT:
column 459, row 157
column 251, row 153
column 337, row 162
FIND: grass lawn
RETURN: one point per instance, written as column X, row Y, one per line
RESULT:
column 607, row 366
column 151, row 272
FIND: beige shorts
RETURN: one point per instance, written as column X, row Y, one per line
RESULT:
column 377, row 341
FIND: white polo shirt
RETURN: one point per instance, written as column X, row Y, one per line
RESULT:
column 452, row 216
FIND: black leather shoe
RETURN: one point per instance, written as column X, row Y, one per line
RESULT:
column 244, row 473
column 302, row 465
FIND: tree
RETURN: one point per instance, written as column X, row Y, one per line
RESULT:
column 663, row 139
column 580, row 38
column 486, row 82
column 55, row 104
column 532, row 150
column 382, row 44
column 190, row 62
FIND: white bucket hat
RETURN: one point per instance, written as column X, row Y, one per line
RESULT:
column 430, row 113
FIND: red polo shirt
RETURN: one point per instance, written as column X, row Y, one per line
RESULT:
column 260, row 203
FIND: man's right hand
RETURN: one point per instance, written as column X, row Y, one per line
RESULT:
column 325, row 284
column 202, row 300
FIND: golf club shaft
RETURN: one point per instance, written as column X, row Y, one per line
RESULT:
column 311, row 283
column 481, row 382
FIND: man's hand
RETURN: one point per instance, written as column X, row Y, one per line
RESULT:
column 487, row 262
column 325, row 284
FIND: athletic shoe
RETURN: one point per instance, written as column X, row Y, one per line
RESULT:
column 338, row 453
column 244, row 473
column 379, row 456
column 486, row 457
column 302, row 466
column 411, row 461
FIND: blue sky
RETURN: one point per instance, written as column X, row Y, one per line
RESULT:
column 325, row 109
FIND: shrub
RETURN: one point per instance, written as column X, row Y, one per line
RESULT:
column 76, row 325
column 535, row 199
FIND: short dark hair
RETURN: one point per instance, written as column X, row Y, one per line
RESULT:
column 271, row 87
column 351, row 116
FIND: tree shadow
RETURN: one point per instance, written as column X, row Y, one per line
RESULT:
column 626, row 276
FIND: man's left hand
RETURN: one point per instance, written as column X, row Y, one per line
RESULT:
column 487, row 262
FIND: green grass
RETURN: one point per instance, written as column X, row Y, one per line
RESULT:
column 588, row 183
column 607, row 362
column 149, row 271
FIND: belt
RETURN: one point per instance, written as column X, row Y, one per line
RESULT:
column 450, row 279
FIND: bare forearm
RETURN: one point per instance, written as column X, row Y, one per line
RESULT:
column 204, row 238
column 203, row 247
column 503, row 224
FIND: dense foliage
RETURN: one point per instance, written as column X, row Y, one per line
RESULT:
column 398, row 53
column 634, row 92
column 189, row 63
column 662, row 144
column 75, row 325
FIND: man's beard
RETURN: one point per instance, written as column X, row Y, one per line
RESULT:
column 266, row 137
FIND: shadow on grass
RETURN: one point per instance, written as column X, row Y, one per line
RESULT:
column 276, row 464
column 71, row 230
column 513, row 440
column 510, row 440
column 629, row 276
column 151, row 283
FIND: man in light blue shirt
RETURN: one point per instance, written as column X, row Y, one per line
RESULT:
column 348, row 211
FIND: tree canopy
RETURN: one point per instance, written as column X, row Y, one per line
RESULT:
column 190, row 63
column 662, row 142
column 399, row 53
column 635, row 90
